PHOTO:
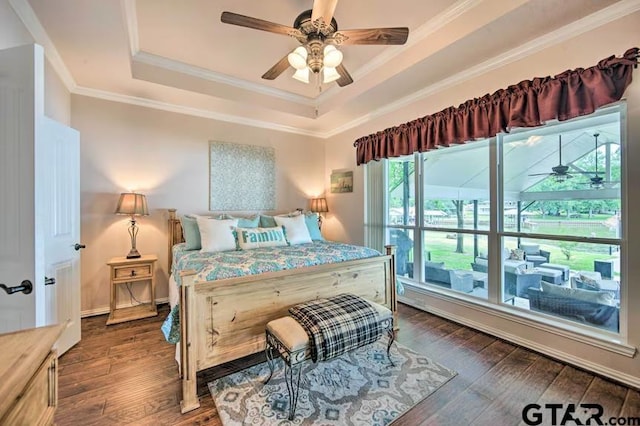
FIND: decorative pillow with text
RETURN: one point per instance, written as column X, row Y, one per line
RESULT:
column 250, row 238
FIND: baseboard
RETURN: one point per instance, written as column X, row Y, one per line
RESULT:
column 105, row 310
column 567, row 358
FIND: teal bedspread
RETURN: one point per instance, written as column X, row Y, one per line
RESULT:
column 229, row 264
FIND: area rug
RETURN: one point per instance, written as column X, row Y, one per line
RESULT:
column 357, row 388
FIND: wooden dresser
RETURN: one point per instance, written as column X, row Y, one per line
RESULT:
column 29, row 376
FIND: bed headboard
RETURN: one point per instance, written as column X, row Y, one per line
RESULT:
column 175, row 234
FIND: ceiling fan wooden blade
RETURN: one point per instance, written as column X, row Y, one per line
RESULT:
column 259, row 24
column 345, row 77
column 395, row 35
column 277, row 69
column 322, row 12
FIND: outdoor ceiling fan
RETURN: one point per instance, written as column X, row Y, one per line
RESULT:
column 317, row 32
column 561, row 171
column 597, row 182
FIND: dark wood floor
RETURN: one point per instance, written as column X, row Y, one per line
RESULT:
column 125, row 374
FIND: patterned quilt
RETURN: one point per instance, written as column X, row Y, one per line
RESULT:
column 229, row 264
column 338, row 324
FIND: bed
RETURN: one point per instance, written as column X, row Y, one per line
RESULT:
column 224, row 319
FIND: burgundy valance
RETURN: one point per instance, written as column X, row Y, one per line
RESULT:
column 529, row 103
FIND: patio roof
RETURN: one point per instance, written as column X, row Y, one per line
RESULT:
column 462, row 172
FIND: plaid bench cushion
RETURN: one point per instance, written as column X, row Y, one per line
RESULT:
column 337, row 325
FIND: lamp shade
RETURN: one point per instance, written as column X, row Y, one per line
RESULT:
column 332, row 56
column 302, row 75
column 319, row 205
column 132, row 204
column 298, row 58
column 329, row 74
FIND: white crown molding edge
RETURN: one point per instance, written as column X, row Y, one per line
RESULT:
column 602, row 17
column 205, row 74
column 415, row 37
column 131, row 22
column 28, row 17
column 597, row 19
column 196, row 112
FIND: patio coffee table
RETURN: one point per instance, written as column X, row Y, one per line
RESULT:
column 563, row 268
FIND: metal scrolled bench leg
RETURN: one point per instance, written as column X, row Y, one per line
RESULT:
column 290, row 341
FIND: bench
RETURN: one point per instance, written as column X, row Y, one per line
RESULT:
column 290, row 341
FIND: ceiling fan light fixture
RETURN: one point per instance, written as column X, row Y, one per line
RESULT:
column 329, row 74
column 561, row 178
column 302, row 75
column 597, row 185
column 298, row 58
column 332, row 56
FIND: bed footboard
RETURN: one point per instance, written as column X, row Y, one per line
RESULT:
column 224, row 320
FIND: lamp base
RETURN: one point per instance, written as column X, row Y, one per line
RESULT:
column 133, row 254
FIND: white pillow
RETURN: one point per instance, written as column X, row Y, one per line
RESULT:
column 216, row 234
column 250, row 238
column 295, row 228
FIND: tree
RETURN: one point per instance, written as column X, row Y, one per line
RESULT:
column 459, row 206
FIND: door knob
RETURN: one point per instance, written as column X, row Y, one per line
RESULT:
column 79, row 246
column 26, row 287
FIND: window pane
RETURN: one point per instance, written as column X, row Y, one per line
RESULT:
column 564, row 181
column 401, row 192
column 456, row 187
column 450, row 261
column 575, row 281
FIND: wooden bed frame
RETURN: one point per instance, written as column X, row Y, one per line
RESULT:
column 225, row 320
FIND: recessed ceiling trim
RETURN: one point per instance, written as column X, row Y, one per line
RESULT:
column 415, row 36
column 205, row 74
column 32, row 23
column 196, row 112
column 131, row 21
column 609, row 14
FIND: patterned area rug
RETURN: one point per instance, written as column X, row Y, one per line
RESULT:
column 357, row 388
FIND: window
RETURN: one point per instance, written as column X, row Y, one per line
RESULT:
column 557, row 213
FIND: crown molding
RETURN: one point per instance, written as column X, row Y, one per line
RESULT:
column 596, row 19
column 196, row 112
column 33, row 25
column 415, row 37
column 130, row 17
column 205, row 74
column 28, row 17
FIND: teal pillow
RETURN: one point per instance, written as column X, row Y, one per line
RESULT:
column 246, row 222
column 191, row 233
column 267, row 222
column 311, row 221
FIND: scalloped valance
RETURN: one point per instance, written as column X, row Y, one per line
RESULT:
column 529, row 103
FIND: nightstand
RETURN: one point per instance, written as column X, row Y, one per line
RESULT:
column 125, row 271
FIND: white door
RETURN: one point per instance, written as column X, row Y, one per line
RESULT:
column 39, row 202
column 58, row 206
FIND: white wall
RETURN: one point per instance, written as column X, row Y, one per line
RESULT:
column 346, row 218
column 165, row 156
column 57, row 103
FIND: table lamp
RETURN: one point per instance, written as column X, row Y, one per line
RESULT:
column 319, row 205
column 134, row 205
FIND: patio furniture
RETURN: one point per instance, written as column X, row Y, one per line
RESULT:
column 590, row 307
column 435, row 272
column 588, row 280
column 564, row 268
column 605, row 267
column 461, row 280
column 534, row 254
column 550, row 275
column 517, row 284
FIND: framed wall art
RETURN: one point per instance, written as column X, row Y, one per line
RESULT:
column 341, row 181
column 241, row 177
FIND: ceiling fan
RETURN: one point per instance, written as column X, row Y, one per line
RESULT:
column 317, row 32
column 561, row 171
column 597, row 182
